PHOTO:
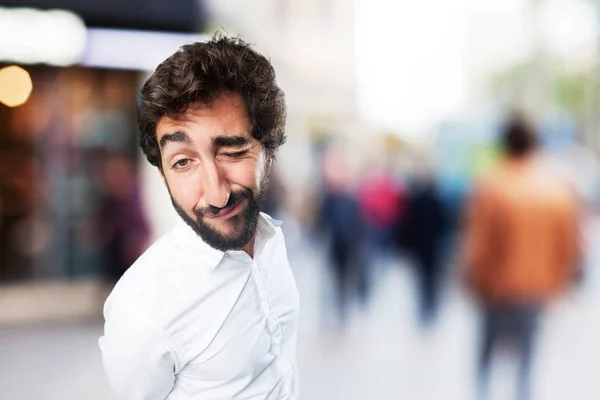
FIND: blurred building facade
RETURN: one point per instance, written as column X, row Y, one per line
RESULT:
column 313, row 49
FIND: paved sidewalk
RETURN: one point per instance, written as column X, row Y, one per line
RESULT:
column 382, row 355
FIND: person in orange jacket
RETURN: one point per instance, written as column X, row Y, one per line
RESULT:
column 521, row 247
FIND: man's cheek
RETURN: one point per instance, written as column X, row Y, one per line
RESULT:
column 244, row 177
column 186, row 198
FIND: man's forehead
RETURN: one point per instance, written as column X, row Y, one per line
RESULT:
column 181, row 121
column 204, row 115
column 192, row 130
column 224, row 116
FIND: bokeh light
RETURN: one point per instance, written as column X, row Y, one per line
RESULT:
column 15, row 86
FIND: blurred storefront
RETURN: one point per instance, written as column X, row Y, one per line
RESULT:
column 70, row 191
column 57, row 150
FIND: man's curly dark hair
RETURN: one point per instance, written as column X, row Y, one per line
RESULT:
column 199, row 72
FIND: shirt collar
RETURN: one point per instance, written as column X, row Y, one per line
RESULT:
column 267, row 226
column 211, row 257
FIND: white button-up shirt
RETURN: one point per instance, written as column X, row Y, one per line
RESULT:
column 187, row 321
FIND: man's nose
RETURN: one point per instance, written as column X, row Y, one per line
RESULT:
column 216, row 187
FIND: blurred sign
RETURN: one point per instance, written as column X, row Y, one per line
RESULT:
column 163, row 15
column 133, row 50
column 30, row 36
column 60, row 38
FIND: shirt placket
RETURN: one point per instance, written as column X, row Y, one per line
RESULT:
column 273, row 327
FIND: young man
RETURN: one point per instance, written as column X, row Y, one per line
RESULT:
column 210, row 310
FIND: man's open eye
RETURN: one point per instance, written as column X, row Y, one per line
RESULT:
column 181, row 164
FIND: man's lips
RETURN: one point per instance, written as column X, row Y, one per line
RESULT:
column 228, row 211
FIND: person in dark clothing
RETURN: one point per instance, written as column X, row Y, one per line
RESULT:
column 340, row 220
column 421, row 235
column 340, row 225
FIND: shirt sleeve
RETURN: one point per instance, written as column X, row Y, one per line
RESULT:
column 139, row 363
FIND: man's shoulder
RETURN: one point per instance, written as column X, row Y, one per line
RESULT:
column 151, row 261
column 138, row 288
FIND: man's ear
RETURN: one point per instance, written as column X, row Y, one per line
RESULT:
column 270, row 158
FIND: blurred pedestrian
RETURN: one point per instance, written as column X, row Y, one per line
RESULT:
column 340, row 223
column 340, row 219
column 521, row 248
column 381, row 201
column 421, row 234
column 210, row 310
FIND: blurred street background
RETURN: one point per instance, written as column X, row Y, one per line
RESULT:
column 395, row 110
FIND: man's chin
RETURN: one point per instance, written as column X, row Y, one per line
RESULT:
column 227, row 228
column 224, row 242
column 226, row 234
column 232, row 233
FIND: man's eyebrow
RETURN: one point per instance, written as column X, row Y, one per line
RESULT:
column 176, row 137
column 230, row 141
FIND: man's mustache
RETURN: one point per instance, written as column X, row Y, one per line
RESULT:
column 234, row 198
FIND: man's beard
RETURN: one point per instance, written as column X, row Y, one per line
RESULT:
column 244, row 223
